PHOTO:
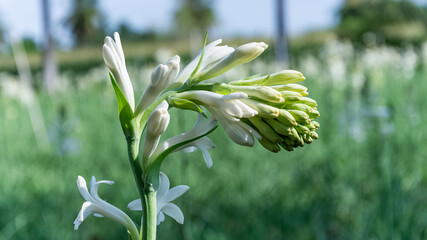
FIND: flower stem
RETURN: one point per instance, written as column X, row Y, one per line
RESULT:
column 149, row 211
column 146, row 192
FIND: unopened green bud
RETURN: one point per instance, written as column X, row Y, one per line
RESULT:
column 307, row 138
column 285, row 77
column 286, row 118
column 266, row 131
column 262, row 92
column 302, row 129
column 271, row 146
column 308, row 101
column 299, row 106
column 291, row 96
column 264, row 110
column 311, row 126
column 300, row 116
column 287, row 147
column 290, row 87
column 314, row 114
column 289, row 141
column 316, row 124
column 240, row 55
column 294, row 134
column 305, row 93
column 279, row 78
column 314, row 135
column 300, row 141
column 279, row 127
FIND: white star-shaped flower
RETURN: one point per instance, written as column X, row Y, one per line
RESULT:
column 164, row 197
column 100, row 208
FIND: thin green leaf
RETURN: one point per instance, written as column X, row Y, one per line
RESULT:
column 126, row 116
column 253, row 76
column 201, row 57
column 265, row 80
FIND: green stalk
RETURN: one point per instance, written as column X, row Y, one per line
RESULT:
column 149, row 211
column 146, row 192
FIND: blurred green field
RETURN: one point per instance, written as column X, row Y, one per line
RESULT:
column 365, row 178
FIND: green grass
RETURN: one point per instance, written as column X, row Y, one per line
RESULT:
column 342, row 186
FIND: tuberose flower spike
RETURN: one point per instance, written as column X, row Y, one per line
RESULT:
column 294, row 124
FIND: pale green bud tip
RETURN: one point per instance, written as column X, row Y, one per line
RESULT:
column 285, row 77
column 249, row 51
column 240, row 55
column 261, row 92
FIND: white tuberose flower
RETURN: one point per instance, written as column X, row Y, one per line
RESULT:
column 98, row 207
column 228, row 110
column 201, row 127
column 164, row 197
column 114, row 58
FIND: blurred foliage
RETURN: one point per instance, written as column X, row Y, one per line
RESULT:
column 131, row 35
column 86, row 22
column 29, row 45
column 365, row 178
column 194, row 15
column 393, row 21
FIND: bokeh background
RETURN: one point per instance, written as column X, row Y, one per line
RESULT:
column 365, row 63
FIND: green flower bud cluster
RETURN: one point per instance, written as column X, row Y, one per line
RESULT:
column 286, row 116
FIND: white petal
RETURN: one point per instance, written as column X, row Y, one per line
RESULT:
column 189, row 149
column 119, row 46
column 207, row 157
column 84, row 212
column 94, row 187
column 251, row 130
column 135, row 205
column 81, row 185
column 163, row 186
column 215, row 55
column 173, row 65
column 98, row 215
column 174, row 212
column 235, row 95
column 186, row 72
column 175, row 192
column 109, row 58
column 160, row 218
column 248, row 112
column 238, row 133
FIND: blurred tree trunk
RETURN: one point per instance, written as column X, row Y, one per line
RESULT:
column 50, row 73
column 281, row 41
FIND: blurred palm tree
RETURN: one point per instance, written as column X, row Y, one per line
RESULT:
column 195, row 15
column 193, row 19
column 50, row 71
column 87, row 23
column 282, row 36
